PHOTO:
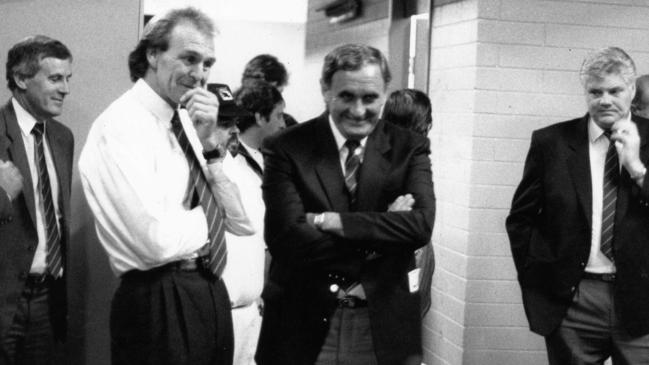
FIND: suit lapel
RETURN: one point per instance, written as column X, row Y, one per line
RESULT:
column 327, row 166
column 579, row 167
column 626, row 184
column 17, row 154
column 374, row 169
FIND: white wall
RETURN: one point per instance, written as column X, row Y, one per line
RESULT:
column 250, row 27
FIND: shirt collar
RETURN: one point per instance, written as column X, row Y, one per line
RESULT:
column 26, row 121
column 595, row 131
column 340, row 139
column 152, row 101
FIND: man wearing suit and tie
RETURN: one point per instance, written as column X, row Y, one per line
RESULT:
column 35, row 171
column 579, row 224
column 341, row 284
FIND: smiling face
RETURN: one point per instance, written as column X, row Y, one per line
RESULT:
column 609, row 98
column 42, row 95
column 183, row 66
column 354, row 100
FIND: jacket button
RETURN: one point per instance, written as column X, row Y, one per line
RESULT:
column 582, row 264
column 22, row 275
column 333, row 288
column 572, row 289
column 30, row 248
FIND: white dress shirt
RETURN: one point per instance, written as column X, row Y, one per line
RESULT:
column 598, row 263
column 244, row 271
column 136, row 180
column 26, row 123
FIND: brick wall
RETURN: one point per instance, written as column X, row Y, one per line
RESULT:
column 500, row 69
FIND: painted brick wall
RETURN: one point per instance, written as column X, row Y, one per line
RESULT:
column 500, row 69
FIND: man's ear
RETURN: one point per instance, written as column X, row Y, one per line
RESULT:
column 152, row 58
column 260, row 120
column 324, row 89
column 20, row 80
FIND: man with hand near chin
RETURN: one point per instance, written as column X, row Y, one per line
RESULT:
column 152, row 173
column 579, row 224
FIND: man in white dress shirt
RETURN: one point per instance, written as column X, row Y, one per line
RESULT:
column 160, row 207
column 244, row 273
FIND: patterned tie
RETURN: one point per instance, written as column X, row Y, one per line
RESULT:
column 216, row 241
column 611, row 177
column 54, row 257
column 352, row 163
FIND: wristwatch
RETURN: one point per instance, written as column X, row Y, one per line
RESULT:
column 318, row 220
column 215, row 153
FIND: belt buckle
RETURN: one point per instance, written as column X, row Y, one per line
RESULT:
column 348, row 302
column 608, row 277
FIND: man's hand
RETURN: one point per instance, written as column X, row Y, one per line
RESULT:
column 627, row 142
column 203, row 109
column 10, row 179
column 402, row 203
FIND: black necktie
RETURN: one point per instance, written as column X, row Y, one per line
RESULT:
column 352, row 163
column 216, row 227
column 251, row 161
column 54, row 258
column 611, row 177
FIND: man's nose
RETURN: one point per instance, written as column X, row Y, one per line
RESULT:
column 357, row 108
column 198, row 72
column 64, row 88
column 605, row 99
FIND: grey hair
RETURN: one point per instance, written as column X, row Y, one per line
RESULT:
column 606, row 61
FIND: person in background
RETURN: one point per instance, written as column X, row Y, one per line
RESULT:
column 340, row 287
column 152, row 172
column 262, row 115
column 36, row 154
column 579, row 224
column 411, row 109
column 640, row 103
column 268, row 68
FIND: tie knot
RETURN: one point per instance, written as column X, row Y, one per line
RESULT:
column 38, row 129
column 352, row 145
column 608, row 133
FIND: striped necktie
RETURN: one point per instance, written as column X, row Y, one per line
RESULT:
column 54, row 256
column 352, row 163
column 611, row 177
column 216, row 227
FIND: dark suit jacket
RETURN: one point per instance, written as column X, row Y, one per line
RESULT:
column 18, row 237
column 303, row 174
column 549, row 228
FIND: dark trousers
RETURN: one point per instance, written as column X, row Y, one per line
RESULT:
column 591, row 332
column 168, row 316
column 349, row 341
column 30, row 339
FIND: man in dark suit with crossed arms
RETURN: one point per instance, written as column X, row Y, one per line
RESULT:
column 579, row 224
column 341, row 283
column 35, row 172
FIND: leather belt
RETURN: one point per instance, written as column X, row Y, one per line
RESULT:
column 609, row 278
column 351, row 302
column 38, row 279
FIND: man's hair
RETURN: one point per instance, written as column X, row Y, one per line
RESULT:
column 256, row 97
column 607, row 61
column 25, row 56
column 410, row 109
column 157, row 34
column 641, row 88
column 353, row 57
column 265, row 67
